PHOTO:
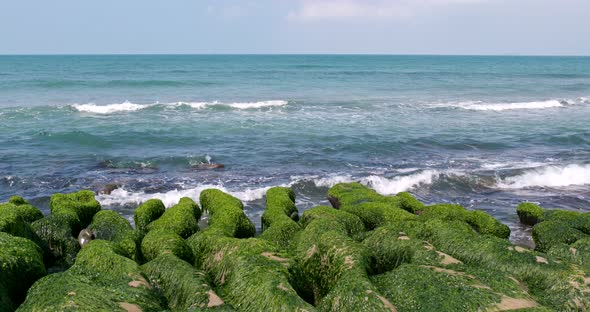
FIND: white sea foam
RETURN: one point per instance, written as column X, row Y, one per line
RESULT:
column 332, row 180
column 481, row 106
column 109, row 108
column 391, row 186
column 549, row 176
column 130, row 107
column 260, row 104
column 121, row 196
column 382, row 185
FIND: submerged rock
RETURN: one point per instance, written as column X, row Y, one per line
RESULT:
column 208, row 166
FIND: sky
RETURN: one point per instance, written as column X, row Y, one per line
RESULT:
column 499, row 27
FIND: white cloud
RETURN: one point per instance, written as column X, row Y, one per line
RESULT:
column 311, row 10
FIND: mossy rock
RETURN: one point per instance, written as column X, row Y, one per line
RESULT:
column 109, row 225
column 21, row 264
column 376, row 214
column 12, row 223
column 70, row 291
column 280, row 203
column 577, row 220
column 427, row 288
column 529, row 213
column 17, row 204
column 226, row 214
column 250, row 274
column 408, row 202
column 279, row 219
column 162, row 241
column 349, row 194
column 349, row 221
column 105, row 263
column 57, row 232
column 332, row 268
column 185, row 288
column 550, row 233
column 181, row 218
column 479, row 220
column 82, row 203
column 148, row 212
column 389, row 248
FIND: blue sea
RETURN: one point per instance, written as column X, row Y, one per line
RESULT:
column 487, row 132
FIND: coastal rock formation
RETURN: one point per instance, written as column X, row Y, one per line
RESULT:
column 368, row 252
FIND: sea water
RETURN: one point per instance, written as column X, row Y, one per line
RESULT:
column 487, row 132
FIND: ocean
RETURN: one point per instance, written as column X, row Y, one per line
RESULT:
column 487, row 132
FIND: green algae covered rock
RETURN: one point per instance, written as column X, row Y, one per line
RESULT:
column 479, row 220
column 226, row 214
column 82, row 204
column 279, row 218
column 109, row 225
column 12, row 223
column 574, row 219
column 185, row 288
column 162, row 241
column 70, row 292
column 181, row 218
column 529, row 213
column 19, row 205
column 349, row 194
column 100, row 280
column 148, row 212
column 57, row 231
column 21, row 264
column 250, row 274
column 550, row 233
column 332, row 269
column 351, row 223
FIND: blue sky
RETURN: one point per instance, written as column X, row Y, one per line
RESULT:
column 538, row 27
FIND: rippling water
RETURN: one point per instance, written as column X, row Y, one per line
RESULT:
column 486, row 132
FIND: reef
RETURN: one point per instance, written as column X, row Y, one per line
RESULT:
column 365, row 252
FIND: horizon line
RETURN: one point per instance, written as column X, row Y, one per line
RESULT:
column 289, row 54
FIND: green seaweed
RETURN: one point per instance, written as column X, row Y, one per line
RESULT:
column 529, row 213
column 226, row 214
column 185, row 288
column 549, row 233
column 27, row 212
column 21, row 264
column 181, row 218
column 479, row 220
column 162, row 241
column 148, row 212
column 278, row 220
column 109, row 225
column 250, row 274
column 57, row 232
column 81, row 203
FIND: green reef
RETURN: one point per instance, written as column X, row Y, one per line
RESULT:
column 365, row 252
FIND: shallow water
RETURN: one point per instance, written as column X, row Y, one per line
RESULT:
column 486, row 132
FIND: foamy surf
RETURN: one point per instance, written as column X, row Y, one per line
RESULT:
column 382, row 185
column 498, row 107
column 109, row 108
column 123, row 197
column 131, row 107
column 549, row 176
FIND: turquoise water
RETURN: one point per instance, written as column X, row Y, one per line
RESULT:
column 486, row 132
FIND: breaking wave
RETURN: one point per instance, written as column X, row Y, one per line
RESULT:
column 130, row 107
column 549, row 176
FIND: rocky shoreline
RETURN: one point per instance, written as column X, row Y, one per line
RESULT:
column 367, row 252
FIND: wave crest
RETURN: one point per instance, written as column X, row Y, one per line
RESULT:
column 549, row 176
column 109, row 108
column 479, row 106
column 130, row 107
